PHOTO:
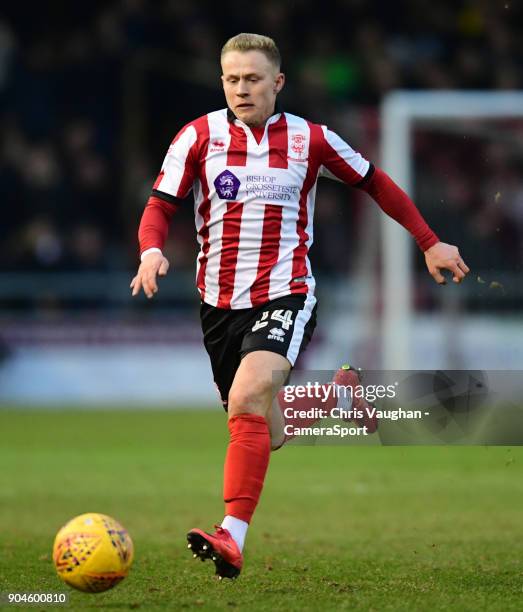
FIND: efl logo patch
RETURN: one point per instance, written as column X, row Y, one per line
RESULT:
column 227, row 185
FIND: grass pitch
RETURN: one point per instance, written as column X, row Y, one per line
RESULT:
column 367, row 528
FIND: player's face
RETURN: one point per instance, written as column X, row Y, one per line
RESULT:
column 251, row 83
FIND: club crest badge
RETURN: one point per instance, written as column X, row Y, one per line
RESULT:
column 297, row 147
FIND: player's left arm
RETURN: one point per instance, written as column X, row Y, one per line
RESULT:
column 341, row 162
column 397, row 204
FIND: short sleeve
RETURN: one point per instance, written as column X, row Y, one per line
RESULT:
column 178, row 172
column 340, row 161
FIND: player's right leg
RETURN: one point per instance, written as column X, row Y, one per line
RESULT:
column 251, row 351
column 257, row 381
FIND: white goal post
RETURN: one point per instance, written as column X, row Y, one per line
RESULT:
column 399, row 112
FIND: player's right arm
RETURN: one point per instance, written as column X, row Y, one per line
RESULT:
column 172, row 185
column 154, row 227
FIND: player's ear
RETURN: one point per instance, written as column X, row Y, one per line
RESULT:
column 279, row 82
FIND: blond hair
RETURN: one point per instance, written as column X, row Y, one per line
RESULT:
column 254, row 42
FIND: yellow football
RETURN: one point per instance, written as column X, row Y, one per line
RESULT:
column 93, row 552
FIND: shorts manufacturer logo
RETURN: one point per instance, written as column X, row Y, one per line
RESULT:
column 227, row 185
column 276, row 333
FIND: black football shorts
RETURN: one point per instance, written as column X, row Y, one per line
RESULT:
column 284, row 326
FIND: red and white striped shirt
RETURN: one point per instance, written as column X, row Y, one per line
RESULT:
column 254, row 202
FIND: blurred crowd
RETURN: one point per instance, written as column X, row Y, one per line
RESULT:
column 92, row 93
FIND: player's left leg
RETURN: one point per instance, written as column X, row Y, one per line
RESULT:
column 342, row 392
column 257, row 380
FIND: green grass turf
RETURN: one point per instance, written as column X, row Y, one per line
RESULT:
column 368, row 528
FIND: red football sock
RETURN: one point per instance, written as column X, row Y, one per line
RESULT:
column 246, row 464
column 306, row 403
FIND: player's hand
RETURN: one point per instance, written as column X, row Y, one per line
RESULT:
column 152, row 265
column 442, row 256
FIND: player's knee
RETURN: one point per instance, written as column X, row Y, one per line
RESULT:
column 255, row 399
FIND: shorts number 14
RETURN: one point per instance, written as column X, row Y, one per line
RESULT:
column 283, row 316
